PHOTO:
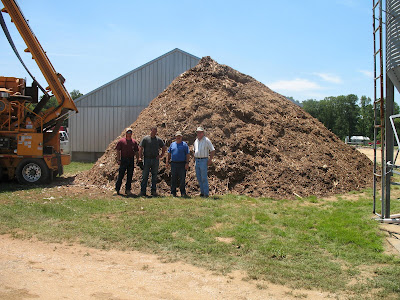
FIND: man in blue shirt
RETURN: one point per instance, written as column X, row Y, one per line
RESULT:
column 178, row 156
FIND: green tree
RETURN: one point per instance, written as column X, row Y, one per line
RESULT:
column 365, row 126
column 347, row 115
column 54, row 103
column 328, row 113
column 312, row 107
column 396, row 108
column 339, row 114
column 75, row 94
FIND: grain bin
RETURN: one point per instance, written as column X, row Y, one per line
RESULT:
column 393, row 41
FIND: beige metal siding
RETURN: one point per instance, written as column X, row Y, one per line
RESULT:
column 106, row 111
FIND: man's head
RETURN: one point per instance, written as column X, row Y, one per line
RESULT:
column 200, row 132
column 178, row 137
column 153, row 131
column 128, row 133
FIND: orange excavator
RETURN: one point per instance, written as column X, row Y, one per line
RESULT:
column 29, row 134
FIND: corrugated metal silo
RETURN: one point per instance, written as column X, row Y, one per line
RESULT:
column 393, row 41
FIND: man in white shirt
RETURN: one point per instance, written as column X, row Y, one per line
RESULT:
column 203, row 154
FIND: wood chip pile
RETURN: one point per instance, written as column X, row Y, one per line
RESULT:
column 265, row 144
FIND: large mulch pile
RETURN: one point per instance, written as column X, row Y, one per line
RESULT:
column 265, row 144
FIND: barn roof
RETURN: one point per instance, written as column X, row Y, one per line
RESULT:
column 136, row 70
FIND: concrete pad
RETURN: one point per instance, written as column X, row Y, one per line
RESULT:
column 395, row 242
column 394, row 234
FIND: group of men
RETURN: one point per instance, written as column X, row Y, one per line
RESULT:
column 147, row 155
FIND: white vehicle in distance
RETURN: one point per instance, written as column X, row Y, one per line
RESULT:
column 64, row 142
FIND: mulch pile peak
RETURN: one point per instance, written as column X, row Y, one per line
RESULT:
column 265, row 144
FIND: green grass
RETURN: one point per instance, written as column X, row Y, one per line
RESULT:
column 305, row 243
column 76, row 167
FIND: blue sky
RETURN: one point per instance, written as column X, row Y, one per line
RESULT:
column 308, row 49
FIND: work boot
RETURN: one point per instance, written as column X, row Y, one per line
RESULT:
column 128, row 193
column 154, row 194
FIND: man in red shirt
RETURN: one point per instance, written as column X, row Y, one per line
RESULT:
column 127, row 148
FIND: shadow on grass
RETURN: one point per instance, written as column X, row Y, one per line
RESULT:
column 14, row 185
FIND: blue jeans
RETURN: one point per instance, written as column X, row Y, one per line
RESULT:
column 201, row 174
column 178, row 171
column 149, row 164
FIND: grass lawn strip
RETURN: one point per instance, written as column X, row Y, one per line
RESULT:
column 306, row 243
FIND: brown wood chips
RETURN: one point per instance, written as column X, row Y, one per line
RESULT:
column 265, row 145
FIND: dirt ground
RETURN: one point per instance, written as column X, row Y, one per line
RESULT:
column 37, row 270
column 32, row 269
column 369, row 152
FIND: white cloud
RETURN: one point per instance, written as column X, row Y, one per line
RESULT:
column 295, row 85
column 329, row 77
column 369, row 74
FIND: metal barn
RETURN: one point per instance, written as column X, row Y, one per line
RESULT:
column 106, row 111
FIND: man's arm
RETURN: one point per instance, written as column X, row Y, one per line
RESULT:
column 140, row 153
column 141, row 148
column 212, row 151
column 137, row 155
column 118, row 150
column 193, row 148
column 118, row 156
column 168, row 160
column 164, row 148
column 211, row 158
column 212, row 154
column 136, row 151
column 187, row 161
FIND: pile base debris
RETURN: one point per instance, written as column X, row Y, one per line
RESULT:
column 265, row 144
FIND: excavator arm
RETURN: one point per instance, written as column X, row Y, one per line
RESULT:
column 54, row 79
column 30, row 147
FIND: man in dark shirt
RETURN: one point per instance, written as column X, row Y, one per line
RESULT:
column 127, row 148
column 149, row 148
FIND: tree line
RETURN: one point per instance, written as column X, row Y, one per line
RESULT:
column 52, row 102
column 346, row 115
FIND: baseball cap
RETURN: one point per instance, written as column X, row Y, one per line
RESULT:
column 178, row 133
column 199, row 128
column 128, row 130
